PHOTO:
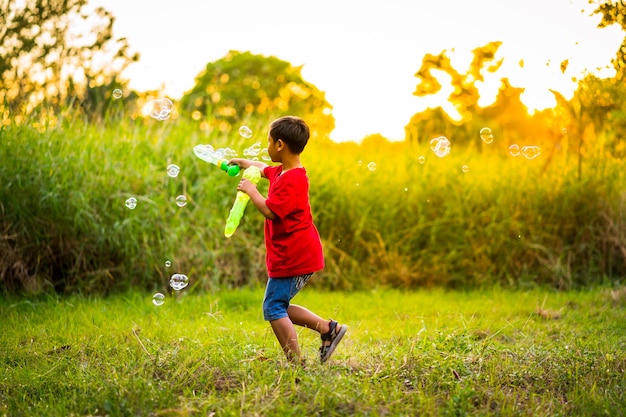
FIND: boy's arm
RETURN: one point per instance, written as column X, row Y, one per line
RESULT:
column 256, row 197
column 245, row 163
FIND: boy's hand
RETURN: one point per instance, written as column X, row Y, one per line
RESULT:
column 246, row 186
column 241, row 162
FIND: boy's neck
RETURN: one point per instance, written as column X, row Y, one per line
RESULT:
column 290, row 162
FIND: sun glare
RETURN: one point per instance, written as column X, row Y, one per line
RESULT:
column 366, row 66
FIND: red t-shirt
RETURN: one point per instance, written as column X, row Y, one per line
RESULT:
column 292, row 241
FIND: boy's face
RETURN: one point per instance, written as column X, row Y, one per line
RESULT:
column 271, row 149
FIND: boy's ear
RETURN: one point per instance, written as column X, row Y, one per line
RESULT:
column 280, row 144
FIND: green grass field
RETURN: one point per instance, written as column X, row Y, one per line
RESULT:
column 538, row 249
column 490, row 352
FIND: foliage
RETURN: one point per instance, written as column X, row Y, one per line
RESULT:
column 593, row 118
column 464, row 94
column 386, row 216
column 390, row 214
column 55, row 51
column 492, row 352
column 243, row 86
column 65, row 226
column 510, row 116
column 614, row 12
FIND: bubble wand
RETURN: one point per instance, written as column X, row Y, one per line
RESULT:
column 253, row 174
column 208, row 154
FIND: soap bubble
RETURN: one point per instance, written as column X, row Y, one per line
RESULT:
column 173, row 170
column 160, row 109
column 229, row 153
column 178, row 281
column 245, row 131
column 440, row 146
column 131, row 203
column 465, row 168
column 486, row 135
column 181, row 201
column 253, row 150
column 265, row 155
column 514, row 149
column 530, row 152
column 421, row 159
column 168, row 264
column 117, row 93
column 371, row 166
column 158, row 299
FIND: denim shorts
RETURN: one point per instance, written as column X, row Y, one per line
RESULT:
column 278, row 294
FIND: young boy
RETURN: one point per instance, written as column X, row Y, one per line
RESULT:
column 294, row 249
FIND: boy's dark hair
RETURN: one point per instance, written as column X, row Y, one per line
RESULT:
column 292, row 130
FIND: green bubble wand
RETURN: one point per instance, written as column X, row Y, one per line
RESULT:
column 253, row 174
column 208, row 154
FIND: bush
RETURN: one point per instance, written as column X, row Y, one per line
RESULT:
column 397, row 222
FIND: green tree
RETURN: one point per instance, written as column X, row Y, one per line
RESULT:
column 52, row 51
column 243, row 86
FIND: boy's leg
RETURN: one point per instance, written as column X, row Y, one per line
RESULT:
column 275, row 310
column 330, row 331
column 287, row 337
column 304, row 317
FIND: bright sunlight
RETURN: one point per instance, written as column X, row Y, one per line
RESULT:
column 364, row 54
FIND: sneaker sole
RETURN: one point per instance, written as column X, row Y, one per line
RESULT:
column 335, row 342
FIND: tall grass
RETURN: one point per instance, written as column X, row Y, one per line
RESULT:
column 65, row 224
column 507, row 220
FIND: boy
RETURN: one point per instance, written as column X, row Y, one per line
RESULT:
column 294, row 249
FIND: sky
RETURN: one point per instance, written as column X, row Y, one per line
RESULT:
column 364, row 54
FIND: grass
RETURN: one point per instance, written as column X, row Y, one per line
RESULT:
column 80, row 336
column 489, row 352
column 510, row 221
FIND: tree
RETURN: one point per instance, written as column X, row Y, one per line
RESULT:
column 594, row 118
column 243, row 86
column 507, row 116
column 464, row 96
column 614, row 12
column 613, row 95
column 54, row 50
